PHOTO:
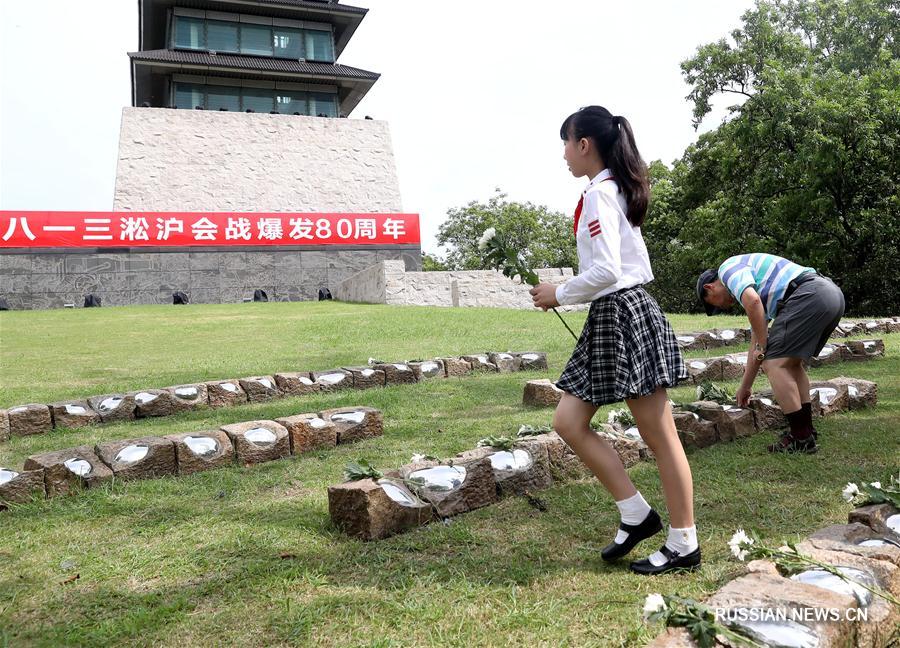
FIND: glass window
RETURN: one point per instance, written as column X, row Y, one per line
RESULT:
column 258, row 100
column 322, row 103
column 256, row 39
column 222, row 36
column 288, row 43
column 318, row 46
column 288, row 102
column 190, row 32
column 189, row 95
column 218, row 97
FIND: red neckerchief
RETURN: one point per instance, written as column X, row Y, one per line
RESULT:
column 581, row 205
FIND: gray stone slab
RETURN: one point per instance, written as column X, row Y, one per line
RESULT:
column 366, row 377
column 333, row 379
column 475, row 486
column 113, row 407
column 296, row 383
column 203, row 261
column 190, row 396
column 202, row 450
column 225, row 393
column 24, row 486
column 355, row 423
column 260, row 388
column 364, row 509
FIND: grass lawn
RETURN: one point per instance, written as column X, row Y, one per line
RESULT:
column 248, row 557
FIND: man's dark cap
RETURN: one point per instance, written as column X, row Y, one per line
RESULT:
column 707, row 277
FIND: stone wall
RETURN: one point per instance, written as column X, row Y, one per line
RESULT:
column 203, row 161
column 51, row 279
column 389, row 282
column 196, row 160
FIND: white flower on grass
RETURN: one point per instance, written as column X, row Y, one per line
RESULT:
column 850, row 491
column 489, row 233
column 875, row 484
column 417, row 457
column 740, row 543
column 653, row 604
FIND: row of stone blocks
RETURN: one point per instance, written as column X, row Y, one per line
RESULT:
column 60, row 472
column 37, row 418
column 717, row 338
column 704, row 423
column 423, row 491
column 543, row 393
column 866, row 549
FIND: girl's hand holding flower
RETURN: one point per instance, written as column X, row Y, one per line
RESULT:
column 544, row 296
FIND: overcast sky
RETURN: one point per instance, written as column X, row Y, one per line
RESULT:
column 474, row 92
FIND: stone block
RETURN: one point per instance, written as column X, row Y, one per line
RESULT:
column 881, row 518
column 73, row 414
column 25, row 420
column 462, row 487
column 428, row 369
column 689, row 342
column 155, row 402
column 355, row 423
column 366, row 377
column 846, row 328
column 113, row 408
column 143, row 458
column 190, row 397
column 258, row 441
column 673, row 638
column 309, row 432
column 524, row 468
column 541, row 393
column 199, row 451
column 396, row 373
column 862, row 393
column 20, row 487
column 830, row 354
column 564, row 463
column 372, row 510
column 695, row 432
column 864, row 349
column 883, row 617
column 456, row 366
column 225, row 393
column 731, row 422
column 4, row 425
column 700, row 369
column 768, row 590
column 627, row 443
column 733, row 366
column 67, row 470
column 532, row 360
column 480, row 362
column 506, row 362
column 332, row 379
column 710, row 340
column 296, row 383
column 766, row 412
column 857, row 539
column 833, row 397
column 260, row 388
column 874, row 326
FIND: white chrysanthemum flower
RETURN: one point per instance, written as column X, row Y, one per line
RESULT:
column 489, row 233
column 875, row 484
column 850, row 491
column 740, row 543
column 653, row 604
column 417, row 457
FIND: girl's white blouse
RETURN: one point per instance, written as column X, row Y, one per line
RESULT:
column 612, row 255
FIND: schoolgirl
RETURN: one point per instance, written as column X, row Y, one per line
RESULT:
column 627, row 350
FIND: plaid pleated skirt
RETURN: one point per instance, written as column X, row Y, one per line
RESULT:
column 626, row 350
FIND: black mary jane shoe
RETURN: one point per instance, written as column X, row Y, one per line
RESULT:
column 636, row 533
column 674, row 561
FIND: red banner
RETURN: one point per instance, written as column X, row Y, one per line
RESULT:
column 40, row 229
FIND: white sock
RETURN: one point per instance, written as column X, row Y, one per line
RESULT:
column 633, row 510
column 684, row 541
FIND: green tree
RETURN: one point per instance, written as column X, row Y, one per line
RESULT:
column 806, row 165
column 432, row 262
column 543, row 237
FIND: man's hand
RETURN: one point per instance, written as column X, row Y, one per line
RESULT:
column 544, row 296
column 742, row 396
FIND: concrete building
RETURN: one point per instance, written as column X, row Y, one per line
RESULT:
column 239, row 106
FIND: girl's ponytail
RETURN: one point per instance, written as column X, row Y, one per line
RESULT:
column 615, row 143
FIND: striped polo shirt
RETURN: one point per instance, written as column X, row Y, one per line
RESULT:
column 768, row 274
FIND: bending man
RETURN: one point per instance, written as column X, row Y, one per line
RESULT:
column 805, row 306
